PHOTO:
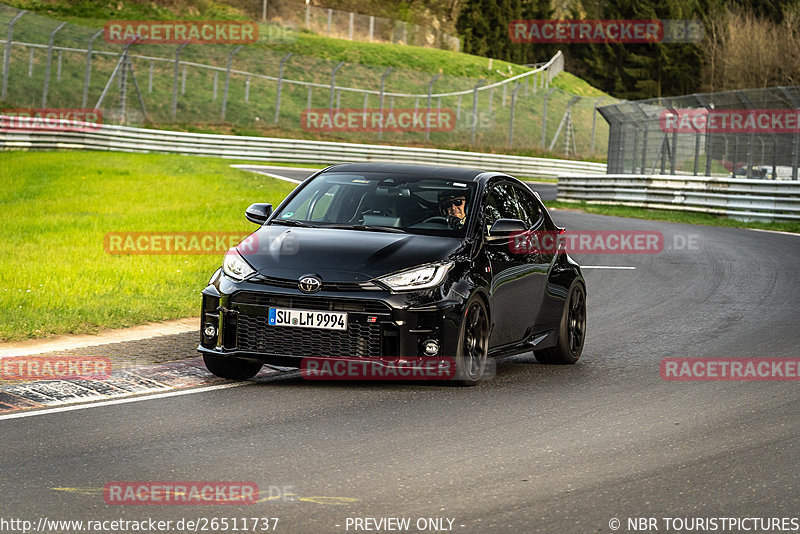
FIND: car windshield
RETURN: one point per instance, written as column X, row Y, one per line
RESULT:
column 382, row 202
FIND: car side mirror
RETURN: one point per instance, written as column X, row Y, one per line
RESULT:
column 505, row 228
column 258, row 213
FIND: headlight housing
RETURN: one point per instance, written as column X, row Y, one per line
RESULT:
column 422, row 277
column 235, row 266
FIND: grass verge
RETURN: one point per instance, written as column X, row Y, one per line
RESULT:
column 55, row 274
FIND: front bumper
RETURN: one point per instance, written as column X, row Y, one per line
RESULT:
column 380, row 323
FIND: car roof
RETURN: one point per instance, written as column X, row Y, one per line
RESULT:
column 430, row 171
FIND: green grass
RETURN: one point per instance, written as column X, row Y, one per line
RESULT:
column 95, row 14
column 705, row 219
column 577, row 86
column 55, row 274
column 417, row 58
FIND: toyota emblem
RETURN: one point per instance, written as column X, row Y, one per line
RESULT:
column 309, row 284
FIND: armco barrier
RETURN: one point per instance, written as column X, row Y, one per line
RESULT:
column 127, row 139
column 764, row 200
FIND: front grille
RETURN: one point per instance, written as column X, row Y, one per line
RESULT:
column 309, row 303
column 360, row 340
column 326, row 286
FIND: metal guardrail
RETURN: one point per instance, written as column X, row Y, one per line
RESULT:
column 763, row 200
column 13, row 136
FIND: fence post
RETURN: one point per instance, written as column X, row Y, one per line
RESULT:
column 380, row 99
column 428, row 118
column 796, row 144
column 350, row 29
column 150, row 77
column 308, row 13
column 228, row 81
column 214, row 91
column 30, row 63
column 264, row 11
column 511, row 119
column 330, row 20
column 280, row 85
column 49, row 62
column 475, row 108
column 544, row 117
column 87, row 75
column 333, row 86
column 7, row 52
column 174, row 108
column 123, row 89
column 371, row 27
column 696, row 152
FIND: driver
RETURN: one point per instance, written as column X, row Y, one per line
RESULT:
column 454, row 205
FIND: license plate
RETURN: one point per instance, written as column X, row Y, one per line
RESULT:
column 326, row 320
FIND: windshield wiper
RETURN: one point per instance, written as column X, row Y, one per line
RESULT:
column 290, row 222
column 367, row 227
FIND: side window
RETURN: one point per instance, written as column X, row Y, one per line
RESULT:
column 530, row 210
column 501, row 204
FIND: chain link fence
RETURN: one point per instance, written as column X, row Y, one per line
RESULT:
column 752, row 133
column 254, row 89
column 349, row 25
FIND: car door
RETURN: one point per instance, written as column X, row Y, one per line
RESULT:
column 537, row 258
column 512, row 288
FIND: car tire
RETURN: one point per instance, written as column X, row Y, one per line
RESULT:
column 231, row 367
column 572, row 331
column 472, row 359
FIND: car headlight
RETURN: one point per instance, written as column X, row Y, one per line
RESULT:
column 235, row 266
column 423, row 277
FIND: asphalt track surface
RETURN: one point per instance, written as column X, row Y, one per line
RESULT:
column 539, row 448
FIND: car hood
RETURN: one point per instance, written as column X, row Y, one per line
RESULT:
column 342, row 255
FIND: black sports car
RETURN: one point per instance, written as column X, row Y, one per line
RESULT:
column 388, row 260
